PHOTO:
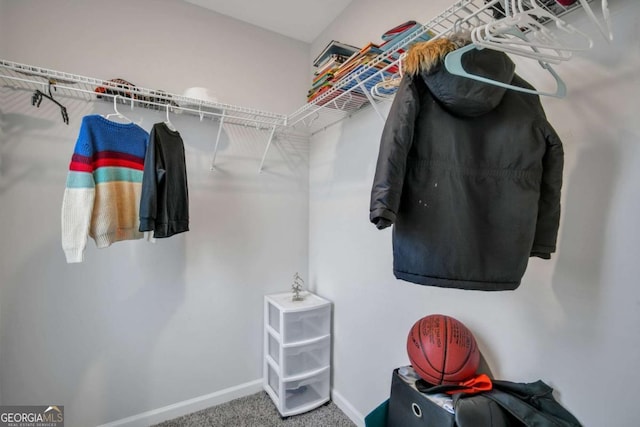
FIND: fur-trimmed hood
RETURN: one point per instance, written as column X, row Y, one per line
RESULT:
column 425, row 56
column 461, row 95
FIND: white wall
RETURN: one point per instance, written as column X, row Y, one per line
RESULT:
column 139, row 326
column 3, row 38
column 165, row 44
column 2, row 140
column 574, row 320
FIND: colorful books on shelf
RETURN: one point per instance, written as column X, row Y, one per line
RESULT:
column 339, row 62
column 334, row 48
column 334, row 62
column 401, row 32
column 316, row 93
column 327, row 63
column 325, row 78
column 319, row 87
column 399, row 29
column 320, row 82
column 370, row 76
column 364, row 55
column 355, row 62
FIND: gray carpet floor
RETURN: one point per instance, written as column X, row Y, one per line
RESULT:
column 258, row 410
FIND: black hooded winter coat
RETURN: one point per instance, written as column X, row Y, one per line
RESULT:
column 468, row 173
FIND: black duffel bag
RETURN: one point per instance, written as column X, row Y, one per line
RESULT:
column 508, row 404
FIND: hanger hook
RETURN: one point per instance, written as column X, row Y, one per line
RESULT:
column 457, row 26
column 115, row 104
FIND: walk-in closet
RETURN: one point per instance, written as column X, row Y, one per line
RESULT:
column 213, row 212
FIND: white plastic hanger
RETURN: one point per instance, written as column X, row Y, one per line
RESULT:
column 541, row 13
column 453, row 64
column 540, row 43
column 168, row 121
column 499, row 35
column 386, row 88
column 605, row 26
column 116, row 112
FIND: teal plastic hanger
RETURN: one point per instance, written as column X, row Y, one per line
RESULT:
column 453, row 64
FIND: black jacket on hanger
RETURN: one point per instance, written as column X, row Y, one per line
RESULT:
column 468, row 173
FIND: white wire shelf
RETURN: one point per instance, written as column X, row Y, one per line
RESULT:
column 30, row 77
column 352, row 92
column 347, row 95
column 66, row 85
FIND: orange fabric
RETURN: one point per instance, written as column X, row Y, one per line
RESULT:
column 474, row 385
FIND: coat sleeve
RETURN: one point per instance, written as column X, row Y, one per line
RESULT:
column 149, row 192
column 395, row 143
column 549, row 204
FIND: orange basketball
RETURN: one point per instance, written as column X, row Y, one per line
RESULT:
column 442, row 350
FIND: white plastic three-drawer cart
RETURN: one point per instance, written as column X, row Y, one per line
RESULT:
column 297, row 351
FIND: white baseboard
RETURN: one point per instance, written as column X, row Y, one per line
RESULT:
column 348, row 409
column 185, row 407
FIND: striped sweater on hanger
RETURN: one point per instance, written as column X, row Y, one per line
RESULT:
column 102, row 194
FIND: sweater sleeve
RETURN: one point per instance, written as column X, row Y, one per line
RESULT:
column 549, row 204
column 397, row 137
column 149, row 194
column 78, row 199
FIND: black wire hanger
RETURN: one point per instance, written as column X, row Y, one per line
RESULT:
column 37, row 97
